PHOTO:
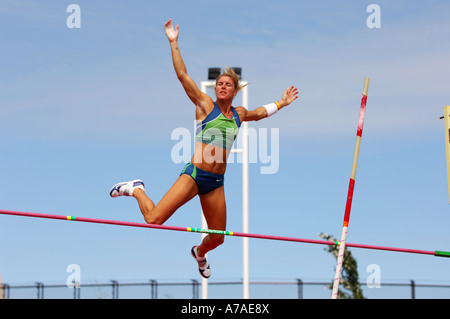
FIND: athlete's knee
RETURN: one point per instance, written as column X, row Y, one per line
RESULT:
column 157, row 216
column 217, row 239
column 154, row 220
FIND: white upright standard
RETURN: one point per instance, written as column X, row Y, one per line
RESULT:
column 244, row 150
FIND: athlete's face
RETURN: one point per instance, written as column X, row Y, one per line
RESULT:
column 225, row 89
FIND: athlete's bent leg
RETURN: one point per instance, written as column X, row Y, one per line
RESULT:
column 182, row 191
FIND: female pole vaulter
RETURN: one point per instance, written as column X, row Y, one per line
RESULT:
column 217, row 127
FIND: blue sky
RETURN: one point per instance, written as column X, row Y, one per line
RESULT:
column 82, row 109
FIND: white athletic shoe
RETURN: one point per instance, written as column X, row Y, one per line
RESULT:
column 203, row 267
column 126, row 188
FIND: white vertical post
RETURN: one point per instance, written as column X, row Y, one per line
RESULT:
column 245, row 229
column 245, row 201
column 204, row 87
column 204, row 280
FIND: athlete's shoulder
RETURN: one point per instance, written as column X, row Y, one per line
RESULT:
column 204, row 108
column 242, row 112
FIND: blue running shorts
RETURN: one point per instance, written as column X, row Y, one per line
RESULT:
column 206, row 181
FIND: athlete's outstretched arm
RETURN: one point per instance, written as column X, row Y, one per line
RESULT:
column 196, row 96
column 289, row 96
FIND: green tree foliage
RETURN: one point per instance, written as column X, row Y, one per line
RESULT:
column 349, row 287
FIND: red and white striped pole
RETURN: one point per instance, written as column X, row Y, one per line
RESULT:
column 351, row 187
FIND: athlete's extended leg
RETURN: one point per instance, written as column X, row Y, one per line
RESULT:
column 215, row 212
column 214, row 209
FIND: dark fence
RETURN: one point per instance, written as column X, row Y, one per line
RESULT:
column 154, row 289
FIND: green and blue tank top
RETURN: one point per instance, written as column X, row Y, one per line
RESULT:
column 218, row 130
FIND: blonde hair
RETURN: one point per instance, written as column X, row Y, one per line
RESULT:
column 234, row 77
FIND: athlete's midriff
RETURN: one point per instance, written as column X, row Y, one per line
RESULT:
column 210, row 158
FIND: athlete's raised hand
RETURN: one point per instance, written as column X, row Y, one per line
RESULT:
column 172, row 34
column 289, row 96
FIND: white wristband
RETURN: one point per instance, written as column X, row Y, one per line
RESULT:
column 271, row 108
